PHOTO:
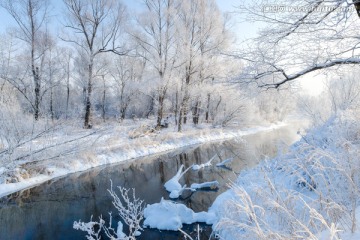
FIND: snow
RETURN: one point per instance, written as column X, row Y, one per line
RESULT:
column 112, row 144
column 197, row 167
column 168, row 215
column 173, row 183
column 212, row 185
column 173, row 186
column 307, row 193
column 119, row 231
column 223, row 163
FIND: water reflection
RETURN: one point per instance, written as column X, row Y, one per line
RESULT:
column 49, row 210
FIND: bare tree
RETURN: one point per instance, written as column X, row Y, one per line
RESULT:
column 300, row 37
column 156, row 38
column 96, row 26
column 66, row 66
column 126, row 73
column 201, row 32
column 30, row 16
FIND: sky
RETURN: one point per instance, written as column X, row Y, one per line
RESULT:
column 242, row 31
column 57, row 8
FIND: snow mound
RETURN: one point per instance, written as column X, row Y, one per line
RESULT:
column 168, row 215
column 173, row 183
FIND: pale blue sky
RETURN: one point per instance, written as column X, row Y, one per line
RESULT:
column 242, row 30
column 57, row 8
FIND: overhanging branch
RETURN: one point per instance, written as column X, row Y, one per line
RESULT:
column 288, row 78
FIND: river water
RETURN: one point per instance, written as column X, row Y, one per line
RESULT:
column 48, row 211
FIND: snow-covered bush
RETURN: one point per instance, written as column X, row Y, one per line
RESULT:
column 130, row 210
column 312, row 189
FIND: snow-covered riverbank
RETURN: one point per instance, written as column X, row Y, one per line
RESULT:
column 112, row 145
column 311, row 192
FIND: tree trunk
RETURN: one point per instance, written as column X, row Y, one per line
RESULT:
column 103, row 99
column 67, row 89
column 51, row 104
column 183, row 109
column 216, row 108
column 122, row 113
column 35, row 70
column 151, row 109
column 37, row 92
column 160, row 110
column 207, row 108
column 103, row 105
column 87, row 124
column 196, row 112
column 176, row 105
column 185, row 114
column 180, row 119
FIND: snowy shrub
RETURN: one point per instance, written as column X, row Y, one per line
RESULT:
column 312, row 189
column 130, row 210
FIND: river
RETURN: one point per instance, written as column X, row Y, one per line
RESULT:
column 48, row 211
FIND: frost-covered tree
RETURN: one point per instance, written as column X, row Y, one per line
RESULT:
column 126, row 74
column 341, row 93
column 31, row 17
column 201, row 34
column 299, row 37
column 156, row 38
column 96, row 27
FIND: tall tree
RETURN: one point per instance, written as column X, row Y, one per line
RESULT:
column 201, row 33
column 30, row 16
column 156, row 38
column 96, row 25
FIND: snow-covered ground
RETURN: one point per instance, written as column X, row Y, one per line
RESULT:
column 79, row 149
column 311, row 192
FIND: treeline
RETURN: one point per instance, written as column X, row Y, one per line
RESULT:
column 164, row 61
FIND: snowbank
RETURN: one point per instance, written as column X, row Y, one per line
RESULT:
column 312, row 192
column 114, row 145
